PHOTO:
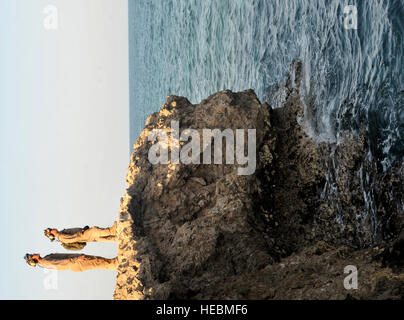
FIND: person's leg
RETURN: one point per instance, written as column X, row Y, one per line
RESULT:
column 99, row 234
column 109, row 238
column 86, row 262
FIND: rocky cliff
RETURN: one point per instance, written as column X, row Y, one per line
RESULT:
column 202, row 231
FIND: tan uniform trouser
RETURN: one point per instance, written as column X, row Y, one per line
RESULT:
column 94, row 234
column 77, row 263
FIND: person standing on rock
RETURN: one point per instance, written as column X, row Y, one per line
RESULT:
column 76, row 238
column 73, row 262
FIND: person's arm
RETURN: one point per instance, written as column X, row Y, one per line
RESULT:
column 69, row 235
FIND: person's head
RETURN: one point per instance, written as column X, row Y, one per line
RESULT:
column 49, row 233
column 32, row 259
column 75, row 246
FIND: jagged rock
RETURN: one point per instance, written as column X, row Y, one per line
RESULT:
column 181, row 228
column 284, row 232
column 317, row 272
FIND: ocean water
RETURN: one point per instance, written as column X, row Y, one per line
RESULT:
column 352, row 78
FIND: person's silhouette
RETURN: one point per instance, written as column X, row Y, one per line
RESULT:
column 76, row 238
column 73, row 262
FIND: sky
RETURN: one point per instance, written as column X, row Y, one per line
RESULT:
column 64, row 136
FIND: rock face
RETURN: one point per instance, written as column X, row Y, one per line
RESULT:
column 183, row 229
column 287, row 231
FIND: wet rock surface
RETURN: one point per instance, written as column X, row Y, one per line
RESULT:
column 202, row 231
